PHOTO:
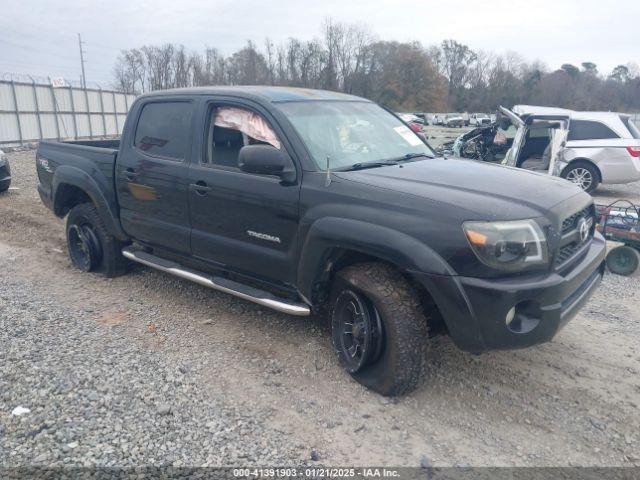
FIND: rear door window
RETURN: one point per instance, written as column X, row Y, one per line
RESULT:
column 164, row 129
column 588, row 130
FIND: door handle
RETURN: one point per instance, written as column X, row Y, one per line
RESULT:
column 200, row 187
column 130, row 174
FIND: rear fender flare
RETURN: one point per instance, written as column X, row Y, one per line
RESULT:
column 108, row 210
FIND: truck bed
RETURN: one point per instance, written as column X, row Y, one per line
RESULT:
column 112, row 144
column 84, row 160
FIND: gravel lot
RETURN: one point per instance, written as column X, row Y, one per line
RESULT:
column 148, row 369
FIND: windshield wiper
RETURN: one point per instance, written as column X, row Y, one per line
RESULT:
column 373, row 164
column 384, row 163
column 411, row 156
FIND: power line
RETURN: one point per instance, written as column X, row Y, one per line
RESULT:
column 37, row 50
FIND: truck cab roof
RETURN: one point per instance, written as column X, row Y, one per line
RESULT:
column 265, row 93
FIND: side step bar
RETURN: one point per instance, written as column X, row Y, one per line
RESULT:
column 218, row 283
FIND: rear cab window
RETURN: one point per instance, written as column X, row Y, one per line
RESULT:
column 589, row 130
column 164, row 129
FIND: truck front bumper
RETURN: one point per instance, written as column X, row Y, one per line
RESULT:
column 516, row 312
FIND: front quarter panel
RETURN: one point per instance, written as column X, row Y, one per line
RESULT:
column 350, row 216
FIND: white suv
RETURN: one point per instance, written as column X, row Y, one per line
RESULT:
column 594, row 147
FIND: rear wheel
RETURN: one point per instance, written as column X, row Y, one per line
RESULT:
column 91, row 247
column 582, row 174
column 623, row 260
column 379, row 331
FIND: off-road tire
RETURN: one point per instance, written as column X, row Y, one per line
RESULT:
column 111, row 262
column 400, row 364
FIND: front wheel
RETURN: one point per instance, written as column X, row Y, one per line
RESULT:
column 583, row 175
column 379, row 331
column 91, row 247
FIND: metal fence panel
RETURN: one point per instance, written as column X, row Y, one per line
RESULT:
column 110, row 123
column 97, row 126
column 8, row 127
column 31, row 111
column 67, row 126
column 6, row 97
column 48, row 123
column 82, row 122
column 62, row 99
column 121, row 103
column 29, row 126
column 45, row 99
column 108, row 105
column 24, row 97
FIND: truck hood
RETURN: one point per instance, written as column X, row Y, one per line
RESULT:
column 491, row 192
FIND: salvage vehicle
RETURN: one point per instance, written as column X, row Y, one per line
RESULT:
column 308, row 201
column 5, row 172
column 488, row 143
column 601, row 147
column 454, row 120
column 410, row 118
column 479, row 119
column 596, row 147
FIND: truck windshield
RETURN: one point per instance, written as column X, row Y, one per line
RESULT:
column 352, row 133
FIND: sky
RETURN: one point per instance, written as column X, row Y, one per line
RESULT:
column 39, row 37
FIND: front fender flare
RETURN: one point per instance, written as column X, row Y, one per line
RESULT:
column 397, row 248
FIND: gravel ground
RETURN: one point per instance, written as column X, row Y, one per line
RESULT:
column 149, row 369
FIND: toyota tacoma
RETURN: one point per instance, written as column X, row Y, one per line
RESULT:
column 314, row 202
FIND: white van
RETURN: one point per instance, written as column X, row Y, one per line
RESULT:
column 591, row 147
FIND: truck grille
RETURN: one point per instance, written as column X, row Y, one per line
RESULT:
column 569, row 223
column 572, row 241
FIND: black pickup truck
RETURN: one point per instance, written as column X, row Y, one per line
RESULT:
column 310, row 201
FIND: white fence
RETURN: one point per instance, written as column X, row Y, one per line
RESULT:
column 32, row 111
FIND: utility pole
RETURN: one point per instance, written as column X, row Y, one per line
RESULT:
column 84, row 78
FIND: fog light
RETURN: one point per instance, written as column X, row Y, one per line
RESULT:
column 510, row 314
column 524, row 317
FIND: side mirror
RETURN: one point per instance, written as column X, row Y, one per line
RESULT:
column 266, row 160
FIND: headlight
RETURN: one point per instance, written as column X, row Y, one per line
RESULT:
column 3, row 159
column 511, row 246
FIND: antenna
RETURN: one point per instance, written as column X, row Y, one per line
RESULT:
column 327, row 181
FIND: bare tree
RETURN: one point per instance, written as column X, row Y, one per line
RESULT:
column 403, row 76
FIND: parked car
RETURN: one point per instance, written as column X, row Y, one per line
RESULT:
column 410, row 117
column 597, row 147
column 422, row 117
column 480, row 119
column 438, row 119
column 454, row 120
column 5, row 172
column 415, row 123
column 312, row 201
column 416, row 127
